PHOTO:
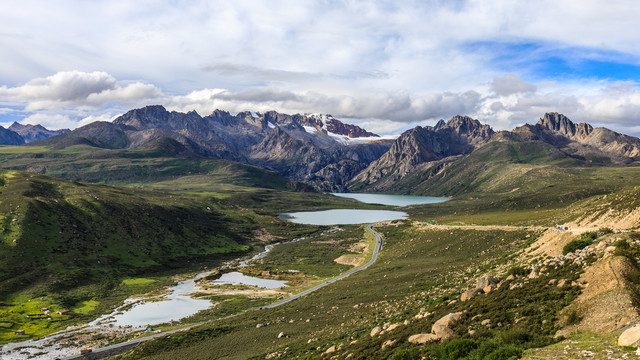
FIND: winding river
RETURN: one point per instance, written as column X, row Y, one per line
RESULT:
column 178, row 304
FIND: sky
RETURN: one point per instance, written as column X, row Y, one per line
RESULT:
column 384, row 65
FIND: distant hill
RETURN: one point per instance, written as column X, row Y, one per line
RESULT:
column 31, row 133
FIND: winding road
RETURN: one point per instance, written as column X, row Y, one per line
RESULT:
column 374, row 257
column 113, row 350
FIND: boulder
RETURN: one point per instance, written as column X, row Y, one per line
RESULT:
column 391, row 327
column 469, row 294
column 630, row 337
column 443, row 332
column 281, row 335
column 388, row 343
column 422, row 338
column 448, row 320
column 510, row 277
column 375, row 331
column 488, row 289
column 331, row 350
column 485, row 281
column 486, row 322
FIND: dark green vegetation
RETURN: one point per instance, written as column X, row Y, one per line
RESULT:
column 585, row 240
column 417, row 269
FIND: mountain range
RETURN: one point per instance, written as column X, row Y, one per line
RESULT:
column 330, row 155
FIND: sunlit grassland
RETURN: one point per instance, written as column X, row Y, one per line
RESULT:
column 415, row 268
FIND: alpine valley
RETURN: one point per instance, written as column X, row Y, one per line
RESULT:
column 534, row 255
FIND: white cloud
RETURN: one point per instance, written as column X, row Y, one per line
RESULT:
column 511, row 84
column 77, row 89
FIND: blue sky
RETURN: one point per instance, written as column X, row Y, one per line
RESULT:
column 385, row 65
column 559, row 62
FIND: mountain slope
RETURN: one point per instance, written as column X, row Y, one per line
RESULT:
column 458, row 136
column 61, row 235
column 9, row 137
column 582, row 140
column 318, row 149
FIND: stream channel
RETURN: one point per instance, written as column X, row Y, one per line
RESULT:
column 137, row 313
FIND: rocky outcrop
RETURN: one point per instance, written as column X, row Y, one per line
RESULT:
column 440, row 330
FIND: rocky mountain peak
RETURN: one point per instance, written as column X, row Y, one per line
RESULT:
column 463, row 124
column 558, row 123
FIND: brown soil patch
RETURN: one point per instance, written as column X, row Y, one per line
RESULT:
column 550, row 243
column 263, row 235
column 359, row 248
column 607, row 302
column 612, row 219
column 349, row 260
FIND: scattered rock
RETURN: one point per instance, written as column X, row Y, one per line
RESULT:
column 281, row 335
column 510, row 277
column 388, row 343
column 422, row 338
column 483, row 282
column 561, row 283
column 630, row 337
column 609, row 249
column 486, row 322
column 258, row 326
column 469, row 294
column 471, row 332
column 553, row 281
column 375, row 331
column 331, row 350
column 443, row 332
column 488, row 289
column 448, row 320
column 391, row 327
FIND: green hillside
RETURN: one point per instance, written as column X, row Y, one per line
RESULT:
column 161, row 161
column 518, row 175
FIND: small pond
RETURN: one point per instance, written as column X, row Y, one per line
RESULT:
column 238, row 278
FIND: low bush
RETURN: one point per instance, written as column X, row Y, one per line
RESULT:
column 518, row 271
column 576, row 244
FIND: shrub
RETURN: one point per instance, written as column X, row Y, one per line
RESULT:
column 457, row 349
column 406, row 354
column 516, row 336
column 504, row 353
column 576, row 244
column 518, row 271
column 573, row 318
